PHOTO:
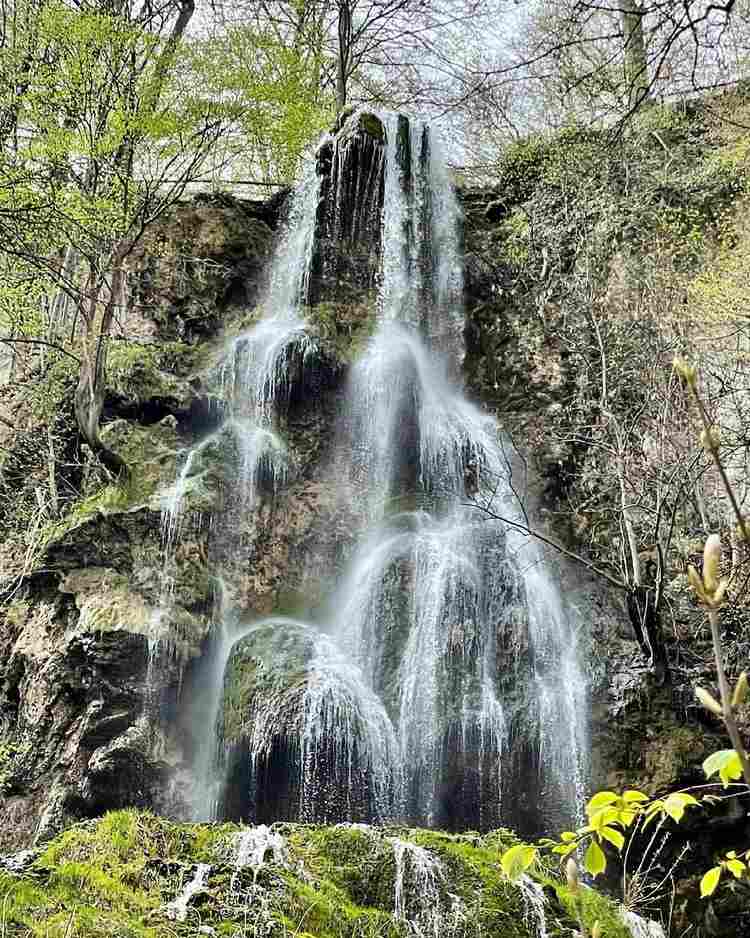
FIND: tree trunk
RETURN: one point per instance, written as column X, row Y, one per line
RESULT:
column 643, row 612
column 636, row 63
column 89, row 400
column 89, row 396
column 632, row 576
column 62, row 308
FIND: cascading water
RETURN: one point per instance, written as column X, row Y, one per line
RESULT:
column 442, row 678
column 253, row 845
column 178, row 909
column 419, row 876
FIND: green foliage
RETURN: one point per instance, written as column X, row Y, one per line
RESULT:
column 517, row 860
column 727, row 763
column 738, row 866
column 515, row 231
column 116, row 120
column 660, row 117
column 54, row 392
column 8, row 753
column 610, row 817
column 540, row 160
column 270, row 96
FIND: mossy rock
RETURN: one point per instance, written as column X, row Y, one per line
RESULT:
column 139, row 373
column 373, row 126
column 266, row 672
column 344, row 328
column 107, row 602
column 150, row 453
column 366, row 122
column 120, row 876
column 201, row 259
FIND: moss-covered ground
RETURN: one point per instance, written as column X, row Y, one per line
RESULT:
column 119, row 877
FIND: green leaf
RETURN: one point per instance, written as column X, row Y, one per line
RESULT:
column 631, row 796
column 600, row 800
column 676, row 803
column 564, row 849
column 594, row 861
column 710, row 881
column 726, row 762
column 604, row 816
column 736, row 867
column 627, row 817
column 567, row 837
column 682, row 797
column 613, row 836
column 517, row 860
column 654, row 809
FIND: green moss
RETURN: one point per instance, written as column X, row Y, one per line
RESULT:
column 266, row 671
column 373, row 126
column 325, row 911
column 343, row 327
column 117, row 876
column 357, row 860
column 592, row 907
column 150, row 453
column 142, row 372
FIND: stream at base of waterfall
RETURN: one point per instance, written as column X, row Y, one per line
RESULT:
column 442, row 684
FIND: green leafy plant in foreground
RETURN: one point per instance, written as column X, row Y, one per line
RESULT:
column 613, row 817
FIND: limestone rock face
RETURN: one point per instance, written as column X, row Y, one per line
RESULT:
column 351, row 165
column 200, row 260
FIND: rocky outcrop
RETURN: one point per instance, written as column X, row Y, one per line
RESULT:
column 351, row 164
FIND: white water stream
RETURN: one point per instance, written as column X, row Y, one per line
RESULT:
column 178, row 910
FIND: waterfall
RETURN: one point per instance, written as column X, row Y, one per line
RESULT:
column 416, row 893
column 533, row 900
column 178, row 909
column 442, row 683
column 640, row 927
column 252, row 846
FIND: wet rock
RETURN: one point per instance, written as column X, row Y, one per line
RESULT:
column 346, row 261
column 203, row 258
